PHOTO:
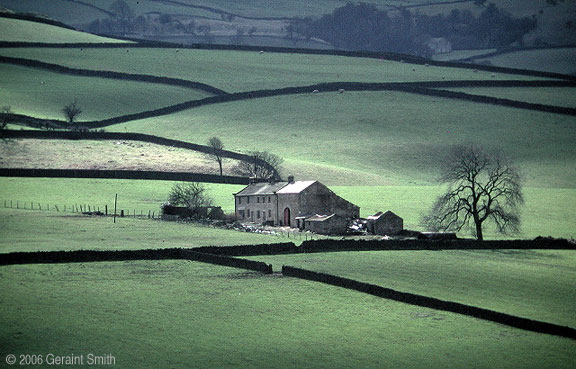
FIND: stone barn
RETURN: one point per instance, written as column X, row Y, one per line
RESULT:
column 290, row 203
column 383, row 224
column 326, row 224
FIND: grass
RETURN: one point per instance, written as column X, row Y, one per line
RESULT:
column 235, row 71
column 43, row 94
column 185, row 314
column 121, row 155
column 461, row 54
column 549, row 60
column 548, row 211
column 536, row 95
column 529, row 283
column 16, row 30
column 26, row 231
column 142, row 195
column 398, row 138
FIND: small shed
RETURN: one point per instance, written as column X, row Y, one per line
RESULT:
column 386, row 223
column 326, row 224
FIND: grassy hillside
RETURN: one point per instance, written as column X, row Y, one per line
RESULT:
column 142, row 195
column 43, row 94
column 197, row 315
column 235, row 71
column 537, row 95
column 27, row 230
column 550, row 60
column 28, row 31
column 396, row 136
column 533, row 284
column 548, row 211
column 122, row 155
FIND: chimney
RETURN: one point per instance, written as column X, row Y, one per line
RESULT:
column 252, row 180
column 271, row 180
column 290, row 179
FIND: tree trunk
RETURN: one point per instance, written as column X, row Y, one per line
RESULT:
column 220, row 164
column 479, row 235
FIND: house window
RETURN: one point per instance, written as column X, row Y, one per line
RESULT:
column 269, row 200
column 239, row 200
column 258, row 214
column 269, row 213
column 247, row 213
column 257, row 199
column 247, row 200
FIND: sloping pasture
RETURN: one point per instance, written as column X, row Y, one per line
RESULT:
column 534, row 284
column 43, row 94
column 197, row 315
column 237, row 71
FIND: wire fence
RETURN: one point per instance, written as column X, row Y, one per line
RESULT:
column 87, row 209
column 106, row 210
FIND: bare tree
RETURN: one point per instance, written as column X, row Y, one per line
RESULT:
column 483, row 187
column 216, row 148
column 262, row 164
column 192, row 195
column 71, row 111
column 5, row 116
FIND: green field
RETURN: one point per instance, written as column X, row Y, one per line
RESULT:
column 142, row 195
column 236, row 71
column 548, row 60
column 17, row 30
column 461, row 54
column 397, row 137
column 185, row 314
column 556, row 96
column 43, row 94
column 547, row 211
column 533, row 284
column 27, row 230
column 107, row 154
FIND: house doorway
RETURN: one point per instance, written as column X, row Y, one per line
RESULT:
column 287, row 217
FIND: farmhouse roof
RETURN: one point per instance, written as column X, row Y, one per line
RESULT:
column 296, row 187
column 264, row 188
column 320, row 218
column 380, row 214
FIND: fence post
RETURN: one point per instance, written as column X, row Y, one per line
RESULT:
column 115, row 202
column 39, row 206
column 106, row 209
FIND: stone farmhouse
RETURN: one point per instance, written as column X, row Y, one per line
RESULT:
column 291, row 203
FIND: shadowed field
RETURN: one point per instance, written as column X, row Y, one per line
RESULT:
column 199, row 315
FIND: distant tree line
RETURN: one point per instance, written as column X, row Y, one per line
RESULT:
column 122, row 21
column 365, row 27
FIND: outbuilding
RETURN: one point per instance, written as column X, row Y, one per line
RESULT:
column 326, row 224
column 384, row 224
